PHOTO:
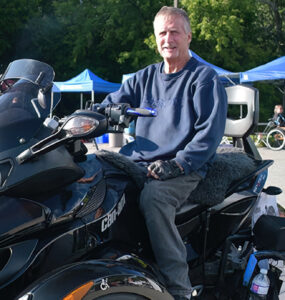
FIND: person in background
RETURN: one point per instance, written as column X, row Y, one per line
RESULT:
column 278, row 116
column 178, row 145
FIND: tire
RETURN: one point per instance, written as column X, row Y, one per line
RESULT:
column 122, row 296
column 275, row 139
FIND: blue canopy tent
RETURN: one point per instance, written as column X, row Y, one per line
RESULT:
column 87, row 82
column 225, row 75
column 221, row 72
column 274, row 70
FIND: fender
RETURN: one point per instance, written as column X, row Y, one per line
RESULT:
column 103, row 277
column 20, row 260
column 14, row 260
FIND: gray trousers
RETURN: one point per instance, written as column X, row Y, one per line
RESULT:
column 158, row 203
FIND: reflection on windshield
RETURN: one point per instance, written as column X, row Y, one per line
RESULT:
column 6, row 84
column 15, row 103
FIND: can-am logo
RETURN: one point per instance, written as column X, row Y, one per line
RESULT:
column 112, row 215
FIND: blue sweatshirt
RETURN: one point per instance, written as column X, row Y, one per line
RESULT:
column 191, row 113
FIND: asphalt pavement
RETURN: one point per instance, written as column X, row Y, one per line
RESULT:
column 276, row 173
column 276, row 177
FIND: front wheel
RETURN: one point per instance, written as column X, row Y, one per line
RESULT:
column 275, row 139
column 121, row 296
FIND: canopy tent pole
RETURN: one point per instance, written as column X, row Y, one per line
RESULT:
column 92, row 97
column 283, row 93
column 81, row 100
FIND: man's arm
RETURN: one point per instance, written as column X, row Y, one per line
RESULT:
column 126, row 94
column 210, row 105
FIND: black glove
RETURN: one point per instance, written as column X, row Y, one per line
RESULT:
column 164, row 169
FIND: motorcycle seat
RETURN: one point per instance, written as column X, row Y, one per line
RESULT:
column 188, row 211
column 211, row 187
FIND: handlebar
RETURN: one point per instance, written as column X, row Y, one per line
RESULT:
column 141, row 112
column 121, row 114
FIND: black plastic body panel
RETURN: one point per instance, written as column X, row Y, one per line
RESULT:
column 18, row 214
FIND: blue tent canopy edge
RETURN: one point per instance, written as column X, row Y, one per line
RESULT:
column 274, row 70
column 87, row 81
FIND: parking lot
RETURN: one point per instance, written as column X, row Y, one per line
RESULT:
column 276, row 173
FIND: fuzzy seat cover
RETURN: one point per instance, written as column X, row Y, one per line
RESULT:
column 231, row 164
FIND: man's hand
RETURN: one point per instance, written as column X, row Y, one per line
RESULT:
column 163, row 170
column 98, row 108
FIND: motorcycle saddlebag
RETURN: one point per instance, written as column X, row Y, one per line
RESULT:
column 269, row 232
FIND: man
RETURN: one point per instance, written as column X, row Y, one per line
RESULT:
column 178, row 144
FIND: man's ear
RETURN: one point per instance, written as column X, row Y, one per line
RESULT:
column 189, row 37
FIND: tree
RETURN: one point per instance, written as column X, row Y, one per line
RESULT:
column 14, row 14
column 224, row 32
column 111, row 41
column 271, row 20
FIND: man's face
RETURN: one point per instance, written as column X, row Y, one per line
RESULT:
column 171, row 39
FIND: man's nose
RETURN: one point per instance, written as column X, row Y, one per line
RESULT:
column 168, row 37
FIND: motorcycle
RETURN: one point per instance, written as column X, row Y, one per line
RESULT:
column 70, row 227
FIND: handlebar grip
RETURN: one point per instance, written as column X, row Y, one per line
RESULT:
column 141, row 112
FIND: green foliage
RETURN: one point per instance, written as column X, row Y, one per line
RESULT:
column 107, row 36
column 271, row 22
column 224, row 32
column 13, row 15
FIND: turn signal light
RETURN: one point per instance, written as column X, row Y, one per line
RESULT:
column 80, row 292
column 79, row 125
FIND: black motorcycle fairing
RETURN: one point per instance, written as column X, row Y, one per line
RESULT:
column 52, row 171
column 107, row 276
column 79, row 197
column 53, row 248
column 63, row 242
column 19, row 121
column 13, row 265
column 27, row 214
column 21, row 117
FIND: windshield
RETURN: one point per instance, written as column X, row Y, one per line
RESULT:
column 23, row 109
column 21, row 102
column 26, row 100
column 32, row 70
column 15, row 103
